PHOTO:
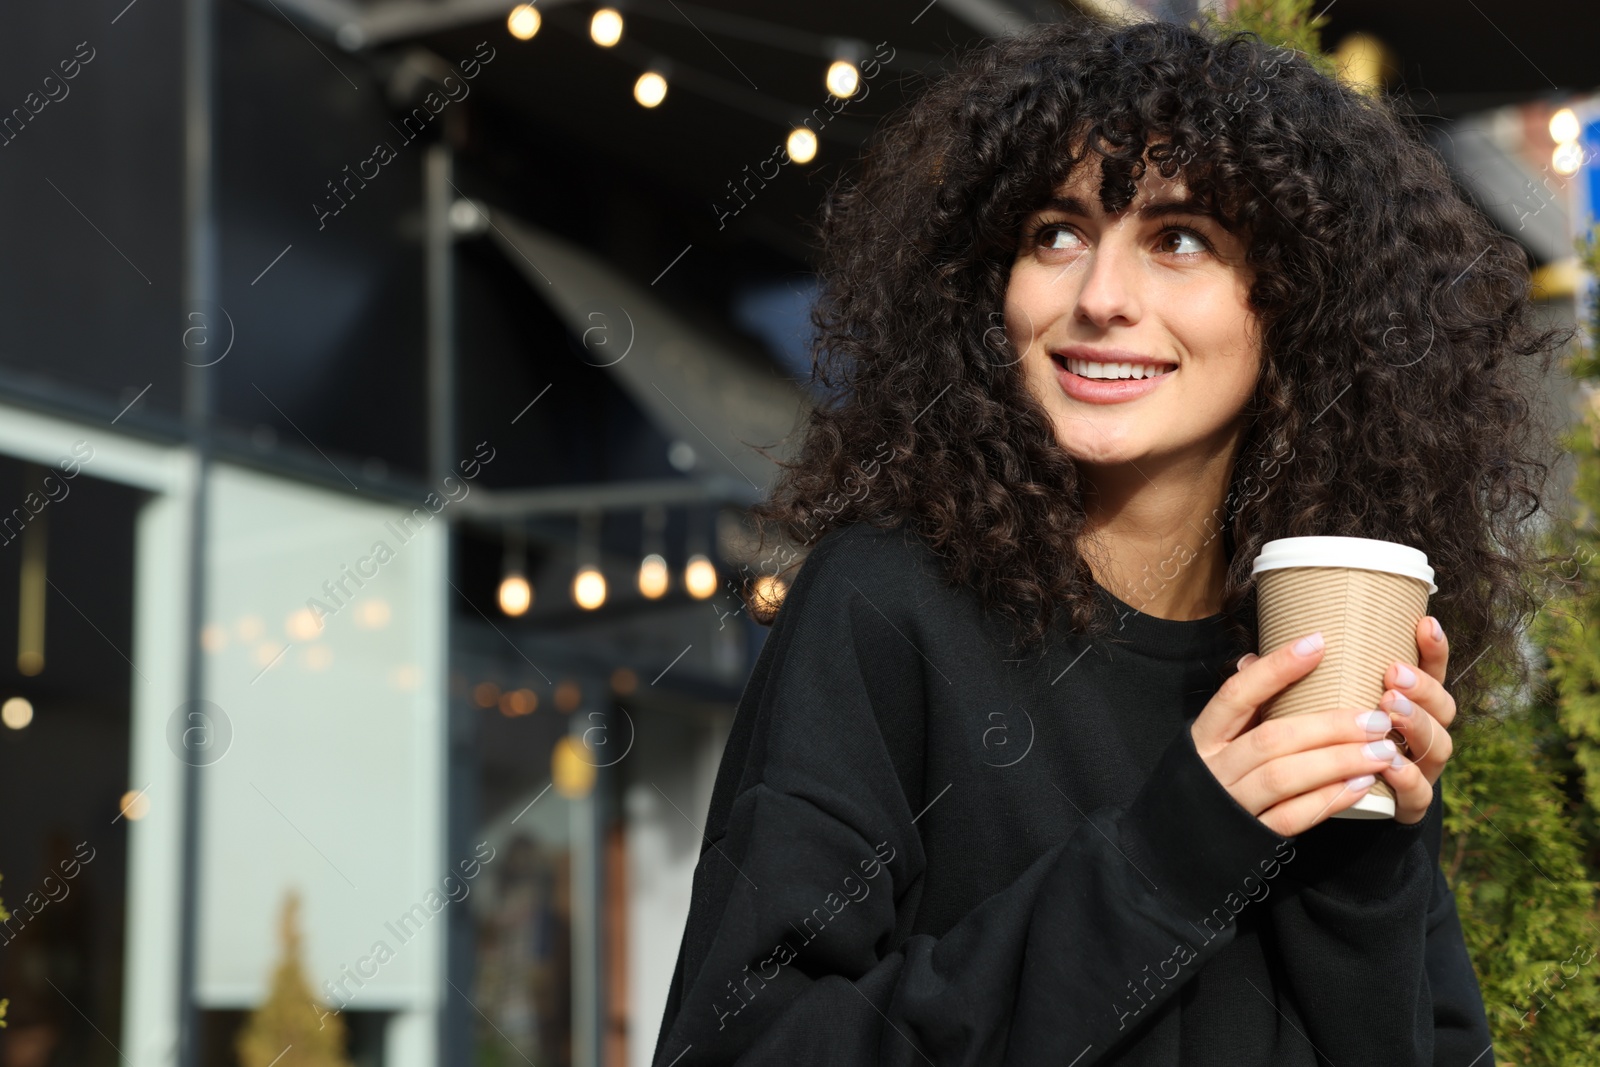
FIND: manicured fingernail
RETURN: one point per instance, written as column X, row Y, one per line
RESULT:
column 1355, row 785
column 1438, row 631
column 1398, row 761
column 1405, row 677
column 1373, row 722
column 1247, row 659
column 1384, row 749
column 1401, row 705
column 1307, row 645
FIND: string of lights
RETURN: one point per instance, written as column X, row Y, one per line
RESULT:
column 841, row 77
column 588, row 588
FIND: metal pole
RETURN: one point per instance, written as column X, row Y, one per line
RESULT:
column 439, row 194
column 451, row 1026
column 199, row 297
column 587, row 819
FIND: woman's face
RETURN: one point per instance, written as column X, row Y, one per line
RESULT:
column 1167, row 286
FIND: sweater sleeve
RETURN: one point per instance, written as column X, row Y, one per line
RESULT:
column 797, row 947
column 1374, row 917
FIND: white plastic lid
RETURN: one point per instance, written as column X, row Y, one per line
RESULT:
column 1364, row 553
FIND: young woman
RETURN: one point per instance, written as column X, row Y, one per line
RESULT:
column 994, row 792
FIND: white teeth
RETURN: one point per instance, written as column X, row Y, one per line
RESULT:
column 1115, row 370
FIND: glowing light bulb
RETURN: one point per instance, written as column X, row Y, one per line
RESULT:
column 802, row 145
column 523, row 22
column 650, row 89
column 653, row 576
column 843, row 79
column 605, row 28
column 700, row 577
column 16, row 712
column 571, row 769
column 373, row 614
column 303, row 625
column 516, row 595
column 589, row 589
column 135, row 805
column 1567, row 158
column 1564, row 126
column 768, row 594
column 518, row 702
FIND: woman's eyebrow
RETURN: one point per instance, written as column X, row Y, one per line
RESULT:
column 1153, row 210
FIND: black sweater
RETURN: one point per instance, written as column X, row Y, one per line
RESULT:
column 921, row 852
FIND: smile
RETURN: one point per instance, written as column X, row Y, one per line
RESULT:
column 1109, row 383
column 1114, row 371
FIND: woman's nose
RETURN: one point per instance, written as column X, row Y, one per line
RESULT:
column 1108, row 283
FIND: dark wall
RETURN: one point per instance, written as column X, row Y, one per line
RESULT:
column 62, row 776
column 332, row 333
column 90, row 264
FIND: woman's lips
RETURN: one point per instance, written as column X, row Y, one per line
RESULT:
column 1105, row 391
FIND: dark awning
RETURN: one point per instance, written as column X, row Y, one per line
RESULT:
column 692, row 388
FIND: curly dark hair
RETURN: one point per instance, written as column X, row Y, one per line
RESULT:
column 1400, row 347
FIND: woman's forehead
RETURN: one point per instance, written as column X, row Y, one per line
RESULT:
column 1084, row 183
column 1081, row 190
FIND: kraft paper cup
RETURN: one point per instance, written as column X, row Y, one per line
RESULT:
column 1366, row 596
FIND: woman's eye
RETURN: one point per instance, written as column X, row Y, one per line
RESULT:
column 1057, row 237
column 1197, row 245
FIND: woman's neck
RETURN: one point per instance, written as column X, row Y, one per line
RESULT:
column 1156, row 542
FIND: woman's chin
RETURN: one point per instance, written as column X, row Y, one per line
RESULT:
column 1102, row 458
column 1100, row 443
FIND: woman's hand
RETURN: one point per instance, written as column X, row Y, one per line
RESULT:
column 1426, row 731
column 1294, row 772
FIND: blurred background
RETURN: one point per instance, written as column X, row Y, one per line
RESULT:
column 382, row 390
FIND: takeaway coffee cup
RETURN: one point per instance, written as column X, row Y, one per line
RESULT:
column 1366, row 596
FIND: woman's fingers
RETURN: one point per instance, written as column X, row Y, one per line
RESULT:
column 1298, row 814
column 1287, row 735
column 1413, row 792
column 1433, row 648
column 1228, row 713
column 1420, row 689
column 1294, row 772
column 1427, row 739
column 1312, row 771
column 1423, row 709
